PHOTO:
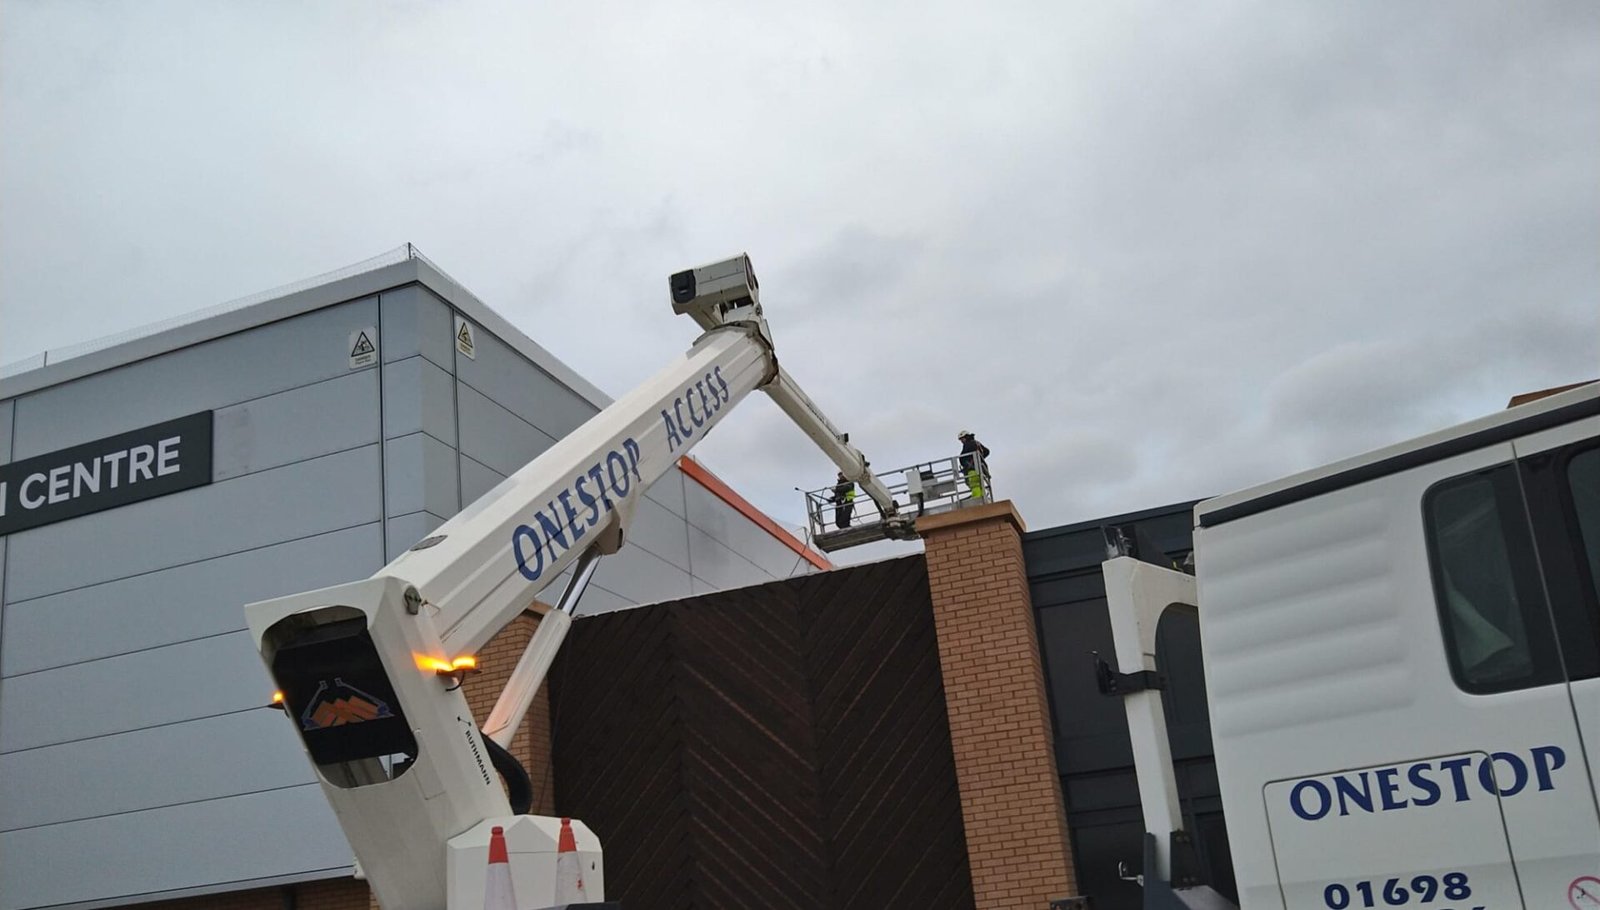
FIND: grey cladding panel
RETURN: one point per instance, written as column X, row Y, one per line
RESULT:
column 723, row 568
column 160, row 686
column 240, row 839
column 144, row 769
column 669, row 491
column 418, row 396
column 405, row 530
column 725, row 524
column 186, row 602
column 420, row 475
column 659, row 531
column 215, row 374
column 517, row 385
column 416, row 322
column 495, row 437
column 476, row 480
column 6, row 408
column 641, row 577
column 312, row 497
column 596, row 599
column 291, row 426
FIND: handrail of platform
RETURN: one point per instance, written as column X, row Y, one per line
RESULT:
column 925, row 488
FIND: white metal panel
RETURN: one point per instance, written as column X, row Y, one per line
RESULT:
column 225, row 841
column 260, row 509
column 191, row 601
column 419, row 475
column 237, row 368
column 1324, row 653
column 415, row 321
column 418, row 396
column 1399, row 856
column 305, row 422
column 1585, row 693
column 145, row 769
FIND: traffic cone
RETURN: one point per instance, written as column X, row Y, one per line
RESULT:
column 497, row 891
column 569, row 867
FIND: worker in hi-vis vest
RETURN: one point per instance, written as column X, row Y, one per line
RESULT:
column 844, row 501
column 977, row 473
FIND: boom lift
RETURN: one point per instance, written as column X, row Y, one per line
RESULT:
column 370, row 672
column 1402, row 658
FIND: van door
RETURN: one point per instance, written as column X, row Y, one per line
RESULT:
column 1560, row 471
column 1505, row 650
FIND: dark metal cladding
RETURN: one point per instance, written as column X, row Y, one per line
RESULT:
column 781, row 746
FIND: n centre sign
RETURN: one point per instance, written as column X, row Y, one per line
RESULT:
column 115, row 471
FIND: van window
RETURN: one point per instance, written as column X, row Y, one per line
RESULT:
column 1486, row 582
column 1583, row 478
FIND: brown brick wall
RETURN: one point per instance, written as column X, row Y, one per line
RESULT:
column 1017, row 838
column 532, row 745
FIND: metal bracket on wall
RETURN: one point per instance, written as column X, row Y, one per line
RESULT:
column 1187, row 889
column 1111, row 682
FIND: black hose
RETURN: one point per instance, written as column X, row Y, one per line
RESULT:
column 519, row 787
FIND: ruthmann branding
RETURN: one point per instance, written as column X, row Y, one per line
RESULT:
column 1425, row 783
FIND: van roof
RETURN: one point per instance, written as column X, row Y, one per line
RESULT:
column 1563, row 407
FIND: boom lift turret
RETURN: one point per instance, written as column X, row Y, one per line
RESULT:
column 370, row 671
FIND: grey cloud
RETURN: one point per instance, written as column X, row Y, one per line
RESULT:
column 1149, row 253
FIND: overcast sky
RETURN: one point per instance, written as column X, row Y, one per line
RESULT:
column 1149, row 252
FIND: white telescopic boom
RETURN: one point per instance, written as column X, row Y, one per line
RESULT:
column 804, row 412
column 488, row 563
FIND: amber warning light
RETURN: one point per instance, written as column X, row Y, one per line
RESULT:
column 455, row 670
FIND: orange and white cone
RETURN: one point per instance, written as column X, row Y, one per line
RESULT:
column 569, row 867
column 497, row 891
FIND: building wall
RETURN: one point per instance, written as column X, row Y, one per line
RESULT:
column 1094, row 757
column 135, row 757
column 781, row 746
column 131, row 733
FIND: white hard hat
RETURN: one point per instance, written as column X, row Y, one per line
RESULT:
column 963, row 434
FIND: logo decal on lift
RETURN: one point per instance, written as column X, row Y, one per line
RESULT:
column 341, row 703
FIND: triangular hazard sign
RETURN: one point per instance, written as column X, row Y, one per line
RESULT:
column 464, row 338
column 363, row 345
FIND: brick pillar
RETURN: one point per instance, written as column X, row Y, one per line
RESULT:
column 1017, row 841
